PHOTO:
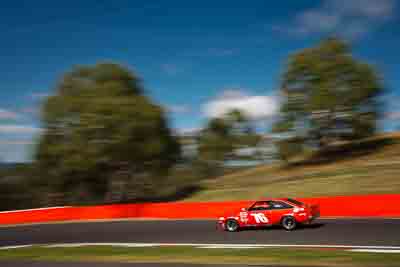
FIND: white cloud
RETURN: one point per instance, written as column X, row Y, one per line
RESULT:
column 6, row 114
column 368, row 8
column 18, row 129
column 254, row 106
column 15, row 152
column 16, row 142
column 39, row 95
column 349, row 18
column 34, row 111
column 179, row 109
column 315, row 21
column 188, row 131
column 394, row 115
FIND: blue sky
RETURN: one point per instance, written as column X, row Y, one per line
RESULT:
column 194, row 56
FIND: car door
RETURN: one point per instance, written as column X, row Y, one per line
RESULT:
column 259, row 214
column 278, row 209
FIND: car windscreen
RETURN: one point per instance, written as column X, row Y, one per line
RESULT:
column 296, row 202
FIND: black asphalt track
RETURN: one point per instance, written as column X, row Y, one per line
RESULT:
column 358, row 232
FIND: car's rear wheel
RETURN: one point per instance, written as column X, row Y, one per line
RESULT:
column 288, row 223
column 232, row 225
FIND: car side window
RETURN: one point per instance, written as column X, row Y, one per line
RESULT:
column 262, row 205
column 279, row 205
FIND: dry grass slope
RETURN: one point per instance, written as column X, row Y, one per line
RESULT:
column 371, row 166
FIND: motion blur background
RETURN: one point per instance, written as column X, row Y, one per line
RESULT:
column 133, row 101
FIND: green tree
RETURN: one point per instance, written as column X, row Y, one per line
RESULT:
column 215, row 141
column 222, row 135
column 103, row 135
column 328, row 95
column 242, row 131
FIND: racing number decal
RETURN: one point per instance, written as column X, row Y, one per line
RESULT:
column 260, row 217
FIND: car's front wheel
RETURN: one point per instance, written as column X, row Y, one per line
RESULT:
column 232, row 225
column 289, row 223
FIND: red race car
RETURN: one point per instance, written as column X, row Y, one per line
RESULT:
column 286, row 212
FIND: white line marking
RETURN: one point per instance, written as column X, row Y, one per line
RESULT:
column 130, row 245
column 16, row 211
column 14, row 247
column 376, row 250
column 387, row 249
column 271, row 246
column 231, row 247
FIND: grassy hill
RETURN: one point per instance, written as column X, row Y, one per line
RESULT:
column 371, row 166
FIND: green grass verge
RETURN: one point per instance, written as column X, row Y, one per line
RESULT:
column 290, row 257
